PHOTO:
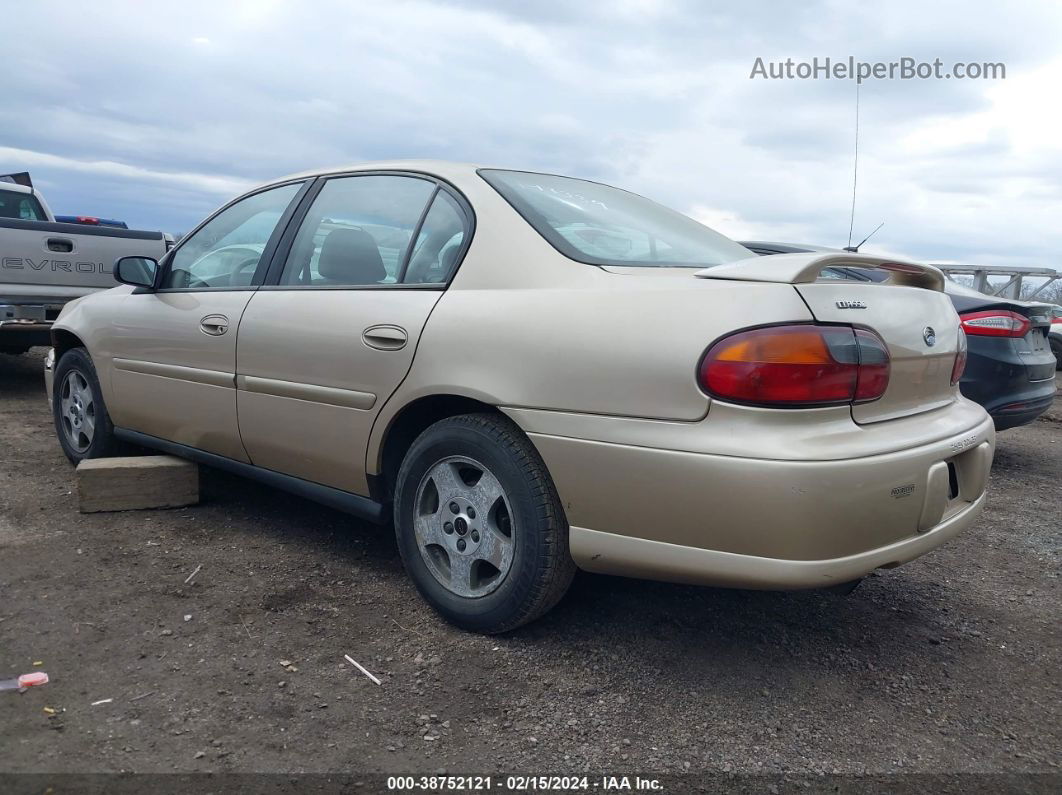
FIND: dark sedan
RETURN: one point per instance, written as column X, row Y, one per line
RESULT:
column 1010, row 368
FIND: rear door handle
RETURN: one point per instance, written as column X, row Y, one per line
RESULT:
column 385, row 338
column 214, row 325
column 60, row 244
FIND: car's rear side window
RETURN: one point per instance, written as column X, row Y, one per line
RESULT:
column 22, row 206
column 357, row 232
column 439, row 242
column 600, row 225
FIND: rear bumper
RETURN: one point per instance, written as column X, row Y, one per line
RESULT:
column 1022, row 412
column 760, row 523
column 25, row 335
column 26, row 325
column 29, row 311
column 998, row 376
column 636, row 557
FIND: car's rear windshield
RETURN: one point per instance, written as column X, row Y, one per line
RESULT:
column 600, row 225
column 23, row 206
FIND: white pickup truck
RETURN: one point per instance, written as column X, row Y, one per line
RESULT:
column 44, row 264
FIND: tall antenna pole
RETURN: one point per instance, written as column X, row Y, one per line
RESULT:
column 855, row 169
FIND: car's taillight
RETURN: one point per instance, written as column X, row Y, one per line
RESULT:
column 995, row 323
column 797, row 366
column 874, row 366
column 959, row 367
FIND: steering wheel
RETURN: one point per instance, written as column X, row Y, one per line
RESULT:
column 250, row 262
column 181, row 275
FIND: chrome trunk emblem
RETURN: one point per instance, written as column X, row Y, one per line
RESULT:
column 930, row 336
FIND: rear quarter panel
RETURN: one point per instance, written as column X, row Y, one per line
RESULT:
column 523, row 326
column 617, row 345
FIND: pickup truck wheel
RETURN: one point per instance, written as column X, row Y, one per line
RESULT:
column 81, row 421
column 479, row 525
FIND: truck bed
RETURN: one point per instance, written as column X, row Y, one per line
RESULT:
column 44, row 264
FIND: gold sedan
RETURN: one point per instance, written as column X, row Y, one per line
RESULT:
column 530, row 373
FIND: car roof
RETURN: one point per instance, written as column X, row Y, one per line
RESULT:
column 14, row 187
column 446, row 169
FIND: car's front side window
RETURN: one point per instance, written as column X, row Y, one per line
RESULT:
column 357, row 232
column 226, row 251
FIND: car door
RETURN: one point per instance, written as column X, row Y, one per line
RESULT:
column 174, row 348
column 332, row 334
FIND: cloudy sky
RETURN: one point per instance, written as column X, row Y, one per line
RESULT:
column 157, row 113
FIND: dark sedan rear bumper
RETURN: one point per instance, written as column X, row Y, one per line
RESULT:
column 998, row 374
column 1014, row 414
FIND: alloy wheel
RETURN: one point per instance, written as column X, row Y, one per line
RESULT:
column 77, row 410
column 464, row 526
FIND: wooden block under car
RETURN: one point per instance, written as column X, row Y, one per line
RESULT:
column 136, row 482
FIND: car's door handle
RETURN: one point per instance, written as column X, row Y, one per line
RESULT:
column 385, row 338
column 214, row 325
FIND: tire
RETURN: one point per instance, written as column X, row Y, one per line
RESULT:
column 515, row 565
column 81, row 420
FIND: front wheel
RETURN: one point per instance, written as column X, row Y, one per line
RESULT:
column 81, row 421
column 479, row 525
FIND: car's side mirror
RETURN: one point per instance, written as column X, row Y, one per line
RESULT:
column 137, row 271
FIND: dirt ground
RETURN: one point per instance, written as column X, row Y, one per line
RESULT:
column 949, row 664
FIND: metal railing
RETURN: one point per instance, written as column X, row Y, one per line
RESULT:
column 1012, row 288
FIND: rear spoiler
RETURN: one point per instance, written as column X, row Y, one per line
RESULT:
column 1039, row 314
column 804, row 268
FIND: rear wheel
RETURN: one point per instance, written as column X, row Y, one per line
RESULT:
column 479, row 524
column 81, row 421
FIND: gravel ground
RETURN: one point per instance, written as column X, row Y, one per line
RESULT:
column 949, row 664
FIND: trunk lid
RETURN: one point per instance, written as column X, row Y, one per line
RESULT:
column 908, row 319
column 909, row 312
column 1035, row 347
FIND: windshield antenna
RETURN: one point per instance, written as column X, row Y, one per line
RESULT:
column 855, row 172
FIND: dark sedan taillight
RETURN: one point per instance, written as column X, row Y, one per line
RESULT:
column 995, row 323
column 797, row 366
